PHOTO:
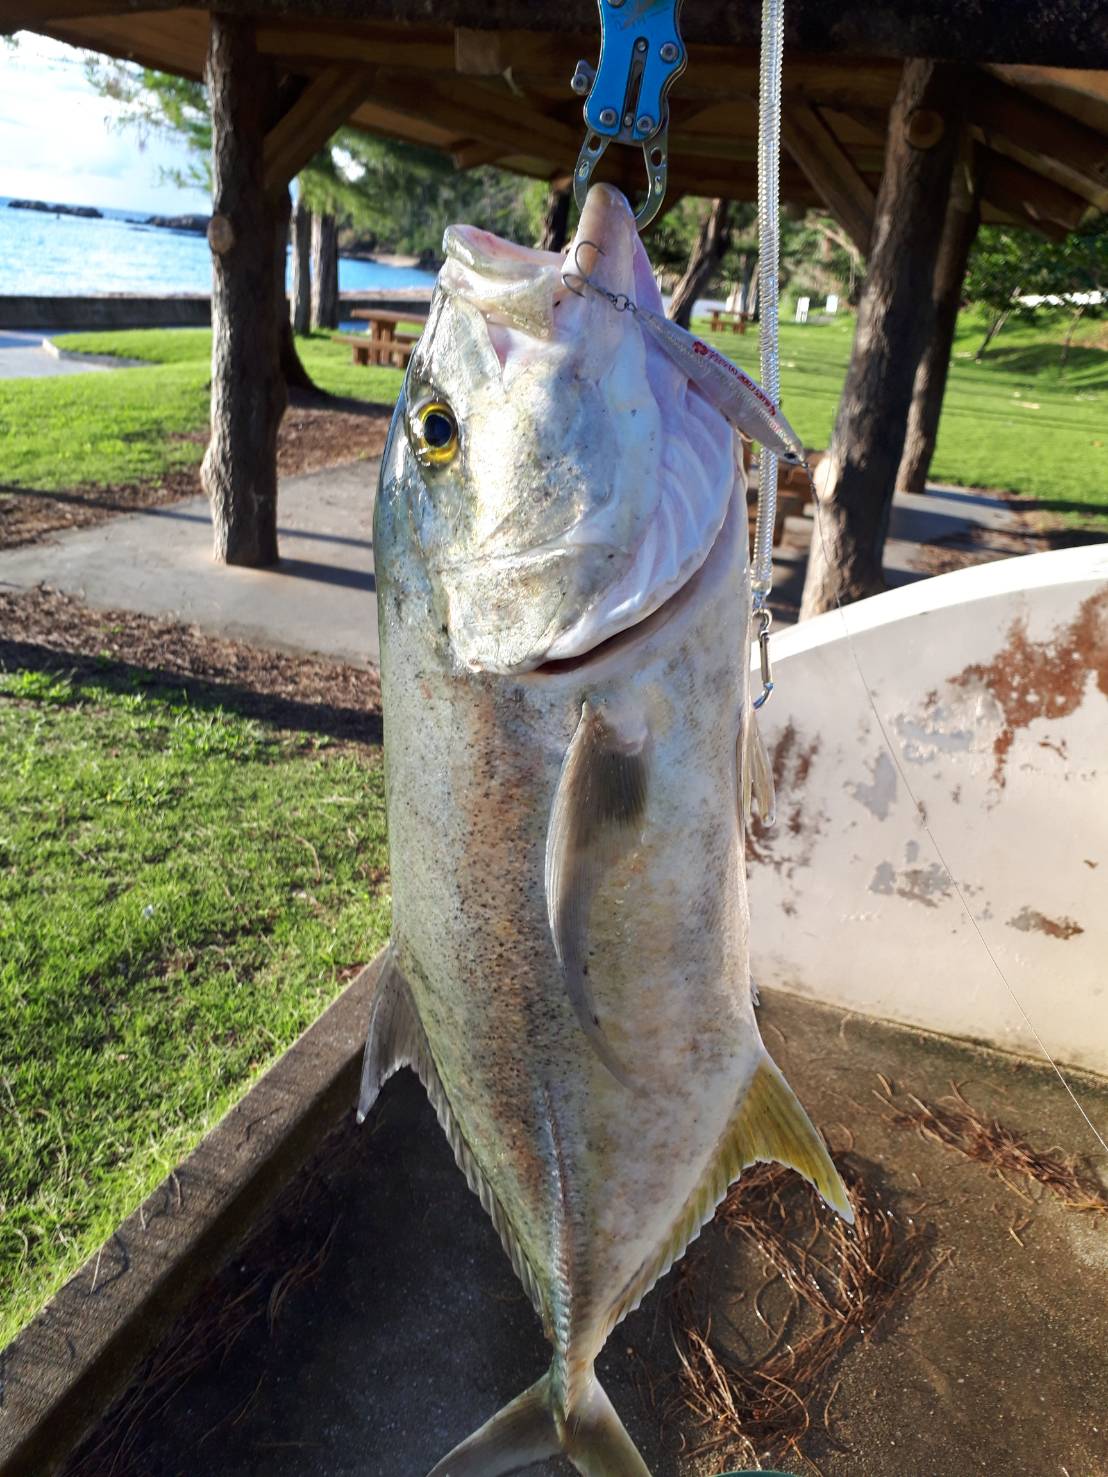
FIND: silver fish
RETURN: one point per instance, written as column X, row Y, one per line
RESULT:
column 564, row 601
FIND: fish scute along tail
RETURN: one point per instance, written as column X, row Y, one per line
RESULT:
column 531, row 1430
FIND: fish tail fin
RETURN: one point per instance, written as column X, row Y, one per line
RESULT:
column 522, row 1433
column 531, row 1429
column 596, row 1440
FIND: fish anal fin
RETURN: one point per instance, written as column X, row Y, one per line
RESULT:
column 596, row 818
column 397, row 1039
column 768, row 1124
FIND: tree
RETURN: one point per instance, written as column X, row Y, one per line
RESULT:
column 1002, row 265
column 158, row 102
column 712, row 241
column 857, row 477
column 301, row 292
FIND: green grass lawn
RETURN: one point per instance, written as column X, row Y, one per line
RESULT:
column 1014, row 421
column 182, row 890
column 136, row 424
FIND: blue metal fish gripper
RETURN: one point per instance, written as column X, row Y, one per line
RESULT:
column 641, row 55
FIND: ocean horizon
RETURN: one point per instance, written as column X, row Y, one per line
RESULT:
column 48, row 255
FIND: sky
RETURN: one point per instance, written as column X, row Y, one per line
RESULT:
column 58, row 142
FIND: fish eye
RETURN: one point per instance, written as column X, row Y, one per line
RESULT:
column 434, row 432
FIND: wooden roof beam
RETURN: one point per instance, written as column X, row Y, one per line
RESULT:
column 1001, row 114
column 323, row 107
column 1012, row 186
column 473, row 152
column 829, row 169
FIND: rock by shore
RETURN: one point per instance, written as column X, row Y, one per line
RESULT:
column 87, row 212
column 195, row 223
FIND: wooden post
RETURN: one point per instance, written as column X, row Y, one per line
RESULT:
column 555, row 220
column 239, row 471
column 301, row 267
column 857, row 477
column 708, row 249
column 963, row 216
column 325, row 271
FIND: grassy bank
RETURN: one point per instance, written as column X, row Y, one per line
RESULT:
column 182, row 890
column 136, row 424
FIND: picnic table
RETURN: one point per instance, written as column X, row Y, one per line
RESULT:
column 722, row 318
column 384, row 342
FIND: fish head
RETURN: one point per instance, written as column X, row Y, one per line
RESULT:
column 562, row 476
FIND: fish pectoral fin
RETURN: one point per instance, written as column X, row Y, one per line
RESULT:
column 595, row 819
column 531, row 1430
column 521, row 1434
column 756, row 775
column 771, row 1125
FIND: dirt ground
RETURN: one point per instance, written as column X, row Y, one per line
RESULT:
column 312, row 436
column 46, row 630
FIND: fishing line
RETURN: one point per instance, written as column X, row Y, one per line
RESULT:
column 921, row 813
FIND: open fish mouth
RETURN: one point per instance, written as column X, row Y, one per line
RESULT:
column 625, row 640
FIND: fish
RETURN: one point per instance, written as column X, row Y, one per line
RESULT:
column 561, row 551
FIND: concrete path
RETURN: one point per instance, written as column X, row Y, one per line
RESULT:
column 159, row 562
column 24, row 356
column 321, row 597
column 941, row 513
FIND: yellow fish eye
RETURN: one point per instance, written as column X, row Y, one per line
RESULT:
column 434, row 432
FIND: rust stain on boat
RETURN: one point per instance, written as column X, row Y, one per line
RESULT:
column 791, row 758
column 1043, row 679
column 1030, row 920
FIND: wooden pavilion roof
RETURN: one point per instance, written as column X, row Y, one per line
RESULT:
column 476, row 84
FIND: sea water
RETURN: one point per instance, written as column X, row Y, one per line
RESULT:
column 67, row 255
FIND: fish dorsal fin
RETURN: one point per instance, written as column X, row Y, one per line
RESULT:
column 756, row 775
column 768, row 1124
column 596, row 817
column 397, row 1039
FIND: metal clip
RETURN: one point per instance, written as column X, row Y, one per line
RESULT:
column 641, row 55
column 766, row 619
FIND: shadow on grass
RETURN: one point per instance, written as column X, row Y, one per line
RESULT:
column 1088, row 365
column 349, row 724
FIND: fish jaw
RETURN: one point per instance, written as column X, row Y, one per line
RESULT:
column 591, row 478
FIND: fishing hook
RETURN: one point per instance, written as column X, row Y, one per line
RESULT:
column 619, row 300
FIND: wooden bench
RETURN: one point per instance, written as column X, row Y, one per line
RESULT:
column 385, row 342
column 722, row 319
column 793, row 493
column 369, row 349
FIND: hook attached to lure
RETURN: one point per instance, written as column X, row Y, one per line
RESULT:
column 738, row 398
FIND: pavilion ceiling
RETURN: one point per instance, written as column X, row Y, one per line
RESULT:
column 502, row 95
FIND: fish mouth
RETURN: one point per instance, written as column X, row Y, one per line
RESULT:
column 648, row 625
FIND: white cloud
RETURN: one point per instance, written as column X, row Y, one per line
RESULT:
column 60, row 140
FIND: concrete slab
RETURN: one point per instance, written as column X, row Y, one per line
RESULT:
column 158, row 562
column 26, row 356
column 376, row 1321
